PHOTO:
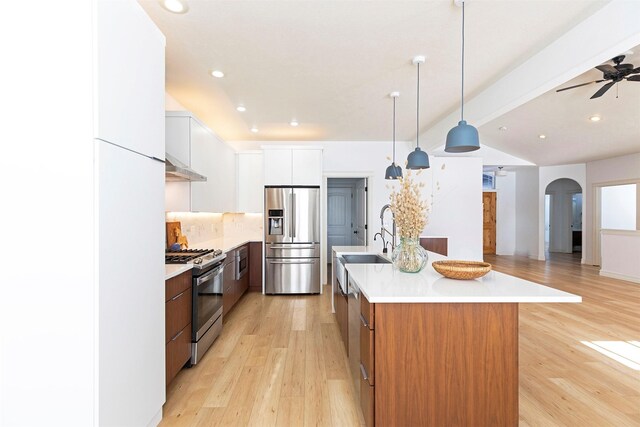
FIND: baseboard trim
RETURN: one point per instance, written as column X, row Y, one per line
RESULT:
column 620, row 276
column 156, row 419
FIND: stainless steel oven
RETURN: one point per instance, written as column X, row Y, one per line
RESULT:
column 207, row 310
column 242, row 263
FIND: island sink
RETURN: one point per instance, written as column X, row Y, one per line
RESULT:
column 365, row 259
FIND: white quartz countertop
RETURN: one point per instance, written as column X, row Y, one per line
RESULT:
column 173, row 270
column 381, row 283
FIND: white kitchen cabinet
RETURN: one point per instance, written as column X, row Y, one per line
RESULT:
column 192, row 143
column 292, row 166
column 131, row 291
column 306, row 165
column 277, row 166
column 130, row 69
column 129, row 149
column 250, row 181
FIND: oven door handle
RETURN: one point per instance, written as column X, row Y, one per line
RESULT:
column 216, row 271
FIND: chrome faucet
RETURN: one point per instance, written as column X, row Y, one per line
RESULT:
column 384, row 231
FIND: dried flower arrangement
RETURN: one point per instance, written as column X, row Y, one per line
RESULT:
column 409, row 210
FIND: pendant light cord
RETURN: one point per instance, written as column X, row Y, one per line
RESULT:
column 418, row 110
column 462, row 85
column 394, row 130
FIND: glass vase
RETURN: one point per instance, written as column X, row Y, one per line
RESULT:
column 409, row 256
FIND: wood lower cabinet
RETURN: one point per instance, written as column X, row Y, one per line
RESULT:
column 178, row 301
column 255, row 267
column 234, row 286
column 439, row 245
column 439, row 364
column 342, row 317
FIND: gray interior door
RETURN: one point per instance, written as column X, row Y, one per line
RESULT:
column 339, row 230
column 360, row 209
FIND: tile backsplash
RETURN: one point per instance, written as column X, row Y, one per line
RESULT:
column 201, row 227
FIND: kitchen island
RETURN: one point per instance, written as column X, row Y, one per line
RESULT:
column 433, row 351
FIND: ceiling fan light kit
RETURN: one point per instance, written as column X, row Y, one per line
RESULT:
column 418, row 159
column 464, row 137
column 612, row 73
column 393, row 171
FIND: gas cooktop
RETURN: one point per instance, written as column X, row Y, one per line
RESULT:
column 200, row 258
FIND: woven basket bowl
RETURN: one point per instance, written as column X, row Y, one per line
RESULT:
column 461, row 270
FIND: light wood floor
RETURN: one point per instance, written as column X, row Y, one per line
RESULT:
column 280, row 361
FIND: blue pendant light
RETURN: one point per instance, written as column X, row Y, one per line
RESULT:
column 418, row 159
column 394, row 171
column 464, row 137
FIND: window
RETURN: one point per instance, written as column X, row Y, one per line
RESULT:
column 488, row 181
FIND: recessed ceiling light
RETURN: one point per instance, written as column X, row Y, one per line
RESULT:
column 217, row 73
column 241, row 108
column 595, row 118
column 294, row 123
column 502, row 128
column 542, row 136
column 254, row 129
column 175, row 6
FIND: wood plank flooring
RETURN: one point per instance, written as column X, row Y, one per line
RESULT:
column 280, row 362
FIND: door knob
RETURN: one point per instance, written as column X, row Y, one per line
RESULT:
column 355, row 232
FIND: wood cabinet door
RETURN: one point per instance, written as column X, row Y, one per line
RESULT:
column 489, row 222
column 228, row 280
column 255, row 266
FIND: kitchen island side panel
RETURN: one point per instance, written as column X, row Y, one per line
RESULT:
column 446, row 364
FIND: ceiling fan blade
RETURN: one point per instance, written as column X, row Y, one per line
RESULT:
column 581, row 84
column 635, row 71
column 602, row 90
column 607, row 69
column 633, row 78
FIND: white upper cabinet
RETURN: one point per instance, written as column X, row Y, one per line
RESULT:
column 292, row 166
column 306, row 167
column 250, row 182
column 277, row 166
column 130, row 78
column 196, row 146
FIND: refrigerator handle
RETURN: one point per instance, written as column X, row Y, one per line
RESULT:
column 293, row 214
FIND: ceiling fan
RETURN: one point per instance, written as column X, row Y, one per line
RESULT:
column 615, row 73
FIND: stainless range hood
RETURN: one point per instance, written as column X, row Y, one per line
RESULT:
column 175, row 170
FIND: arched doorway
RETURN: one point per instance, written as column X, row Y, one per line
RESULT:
column 563, row 216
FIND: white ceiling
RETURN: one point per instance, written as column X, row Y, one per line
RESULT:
column 330, row 65
column 563, row 117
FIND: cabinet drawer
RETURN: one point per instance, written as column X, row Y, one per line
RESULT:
column 367, row 402
column 177, row 284
column 366, row 352
column 177, row 313
column 178, row 352
column 367, row 311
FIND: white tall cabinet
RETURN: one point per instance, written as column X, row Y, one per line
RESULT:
column 250, row 181
column 130, row 215
column 82, row 323
column 191, row 142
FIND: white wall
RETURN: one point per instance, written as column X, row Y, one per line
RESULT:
column 456, row 211
column 527, row 182
column 607, row 171
column 506, row 214
column 620, row 254
column 548, row 174
column 47, row 308
column 560, row 234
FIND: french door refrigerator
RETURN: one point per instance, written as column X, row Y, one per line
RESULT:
column 292, row 239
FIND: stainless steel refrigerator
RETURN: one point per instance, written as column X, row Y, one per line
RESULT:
column 292, row 240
